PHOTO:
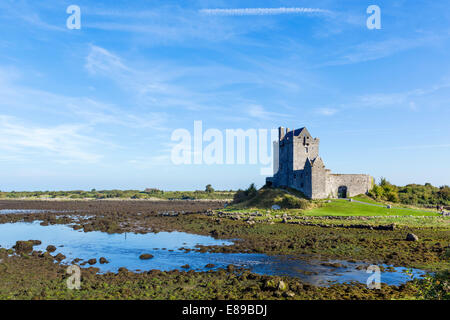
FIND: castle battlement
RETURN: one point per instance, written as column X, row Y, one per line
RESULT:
column 300, row 167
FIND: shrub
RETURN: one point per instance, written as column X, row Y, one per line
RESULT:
column 290, row 202
column 244, row 195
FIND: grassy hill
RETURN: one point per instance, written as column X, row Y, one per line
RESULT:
column 343, row 207
column 265, row 198
column 292, row 201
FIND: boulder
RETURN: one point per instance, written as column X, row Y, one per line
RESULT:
column 51, row 248
column 210, row 265
column 145, row 256
column 412, row 237
column 186, row 266
column 59, row 257
column 103, row 260
column 92, row 261
column 276, row 207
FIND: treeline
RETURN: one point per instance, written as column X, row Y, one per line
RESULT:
column 412, row 194
column 148, row 193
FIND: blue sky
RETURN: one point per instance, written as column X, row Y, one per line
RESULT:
column 96, row 107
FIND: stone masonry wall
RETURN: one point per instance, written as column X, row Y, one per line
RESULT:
column 355, row 183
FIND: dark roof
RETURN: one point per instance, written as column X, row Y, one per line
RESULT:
column 296, row 132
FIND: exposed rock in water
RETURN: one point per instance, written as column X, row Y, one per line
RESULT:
column 333, row 265
column 103, row 260
column 51, row 248
column 210, row 265
column 145, row 256
column 186, row 266
column 412, row 237
column 92, row 261
column 59, row 257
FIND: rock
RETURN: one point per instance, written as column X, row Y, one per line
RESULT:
column 186, row 266
column 412, row 237
column 23, row 246
column 92, row 261
column 145, row 256
column 59, row 257
column 210, row 265
column 51, row 248
column 333, row 265
column 276, row 207
column 230, row 268
column 389, row 206
column 284, row 220
column 103, row 260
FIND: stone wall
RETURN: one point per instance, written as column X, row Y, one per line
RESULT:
column 355, row 183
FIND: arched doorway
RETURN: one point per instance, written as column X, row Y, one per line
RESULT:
column 342, row 192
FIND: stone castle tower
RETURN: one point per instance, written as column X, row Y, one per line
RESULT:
column 300, row 167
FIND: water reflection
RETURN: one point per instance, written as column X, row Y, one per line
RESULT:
column 123, row 250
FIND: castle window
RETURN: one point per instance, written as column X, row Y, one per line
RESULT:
column 306, row 149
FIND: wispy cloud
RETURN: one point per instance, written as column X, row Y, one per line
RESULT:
column 326, row 111
column 66, row 142
column 261, row 11
column 258, row 112
column 374, row 50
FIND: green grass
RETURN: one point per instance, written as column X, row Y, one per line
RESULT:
column 347, row 208
column 366, row 199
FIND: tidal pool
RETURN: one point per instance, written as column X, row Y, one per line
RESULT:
column 123, row 250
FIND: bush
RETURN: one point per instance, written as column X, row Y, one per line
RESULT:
column 290, row 202
column 244, row 195
column 413, row 194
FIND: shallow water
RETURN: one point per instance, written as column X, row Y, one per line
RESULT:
column 19, row 211
column 123, row 250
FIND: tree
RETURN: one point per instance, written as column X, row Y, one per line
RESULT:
column 209, row 188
